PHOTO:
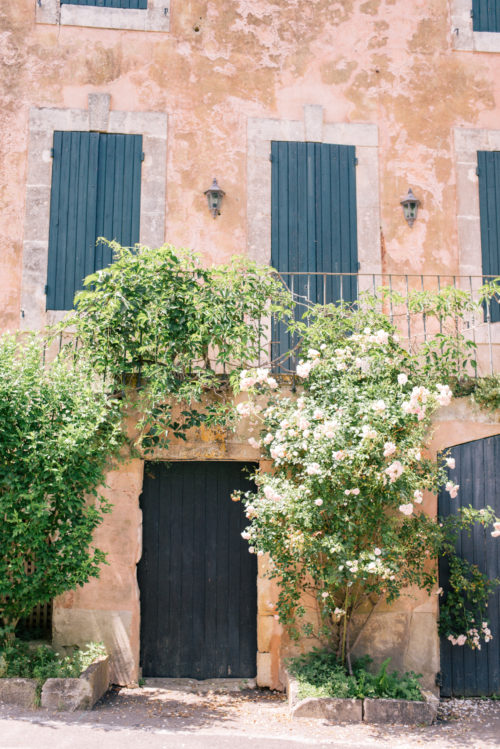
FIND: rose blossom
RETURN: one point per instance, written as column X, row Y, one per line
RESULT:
column 406, row 509
column 389, row 449
column 394, row 471
column 318, row 502
column 402, row 378
column 368, row 433
column 444, row 395
column 253, row 443
column 278, row 452
column 244, row 409
column 450, row 462
column 303, row 369
column 314, row 469
column 271, row 493
column 452, row 489
column 329, row 429
column 418, row 496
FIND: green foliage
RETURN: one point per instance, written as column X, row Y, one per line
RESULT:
column 20, row 659
column 58, row 433
column 341, row 516
column 320, row 674
column 156, row 319
column 487, row 392
column 449, row 314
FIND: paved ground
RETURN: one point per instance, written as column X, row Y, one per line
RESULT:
column 166, row 714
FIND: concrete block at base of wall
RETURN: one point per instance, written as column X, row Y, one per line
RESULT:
column 77, row 694
column 263, row 669
column 20, row 692
column 329, row 708
column 354, row 711
column 398, row 711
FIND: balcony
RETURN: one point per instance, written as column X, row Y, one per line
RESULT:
column 410, row 303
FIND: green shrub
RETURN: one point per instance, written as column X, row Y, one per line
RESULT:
column 487, row 392
column 19, row 659
column 320, row 674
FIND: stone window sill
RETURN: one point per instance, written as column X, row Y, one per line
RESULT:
column 155, row 18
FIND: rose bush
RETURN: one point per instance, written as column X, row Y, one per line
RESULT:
column 341, row 515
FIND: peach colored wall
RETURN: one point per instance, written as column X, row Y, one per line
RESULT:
column 371, row 61
column 382, row 62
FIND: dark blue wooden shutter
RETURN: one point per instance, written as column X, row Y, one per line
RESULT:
column 313, row 222
column 140, row 4
column 489, row 207
column 466, row 672
column 96, row 190
column 485, row 15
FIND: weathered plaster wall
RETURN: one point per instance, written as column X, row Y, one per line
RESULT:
column 364, row 61
column 380, row 63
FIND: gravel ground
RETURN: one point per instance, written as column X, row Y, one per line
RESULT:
column 168, row 714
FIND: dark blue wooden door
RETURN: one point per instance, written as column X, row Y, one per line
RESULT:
column 488, row 163
column 485, row 15
column 466, row 672
column 96, row 192
column 313, row 225
column 198, row 581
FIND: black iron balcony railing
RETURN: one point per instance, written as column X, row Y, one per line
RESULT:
column 410, row 303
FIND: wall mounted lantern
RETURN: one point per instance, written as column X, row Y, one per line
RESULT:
column 214, row 198
column 410, row 207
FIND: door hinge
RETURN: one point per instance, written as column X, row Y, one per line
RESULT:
column 438, row 680
column 358, row 265
column 270, row 157
column 355, row 161
column 471, row 13
column 142, row 156
column 51, row 153
column 46, row 290
column 477, row 171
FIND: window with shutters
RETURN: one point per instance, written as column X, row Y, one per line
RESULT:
column 136, row 15
column 475, row 25
column 486, row 15
column 95, row 192
column 314, row 241
column 488, row 169
column 140, row 4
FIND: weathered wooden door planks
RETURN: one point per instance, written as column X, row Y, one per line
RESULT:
column 197, row 580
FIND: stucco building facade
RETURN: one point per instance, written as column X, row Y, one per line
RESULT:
column 210, row 86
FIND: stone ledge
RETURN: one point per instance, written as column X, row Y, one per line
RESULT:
column 335, row 710
column 398, row 711
column 22, row 692
column 78, row 694
column 60, row 694
column 377, row 710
